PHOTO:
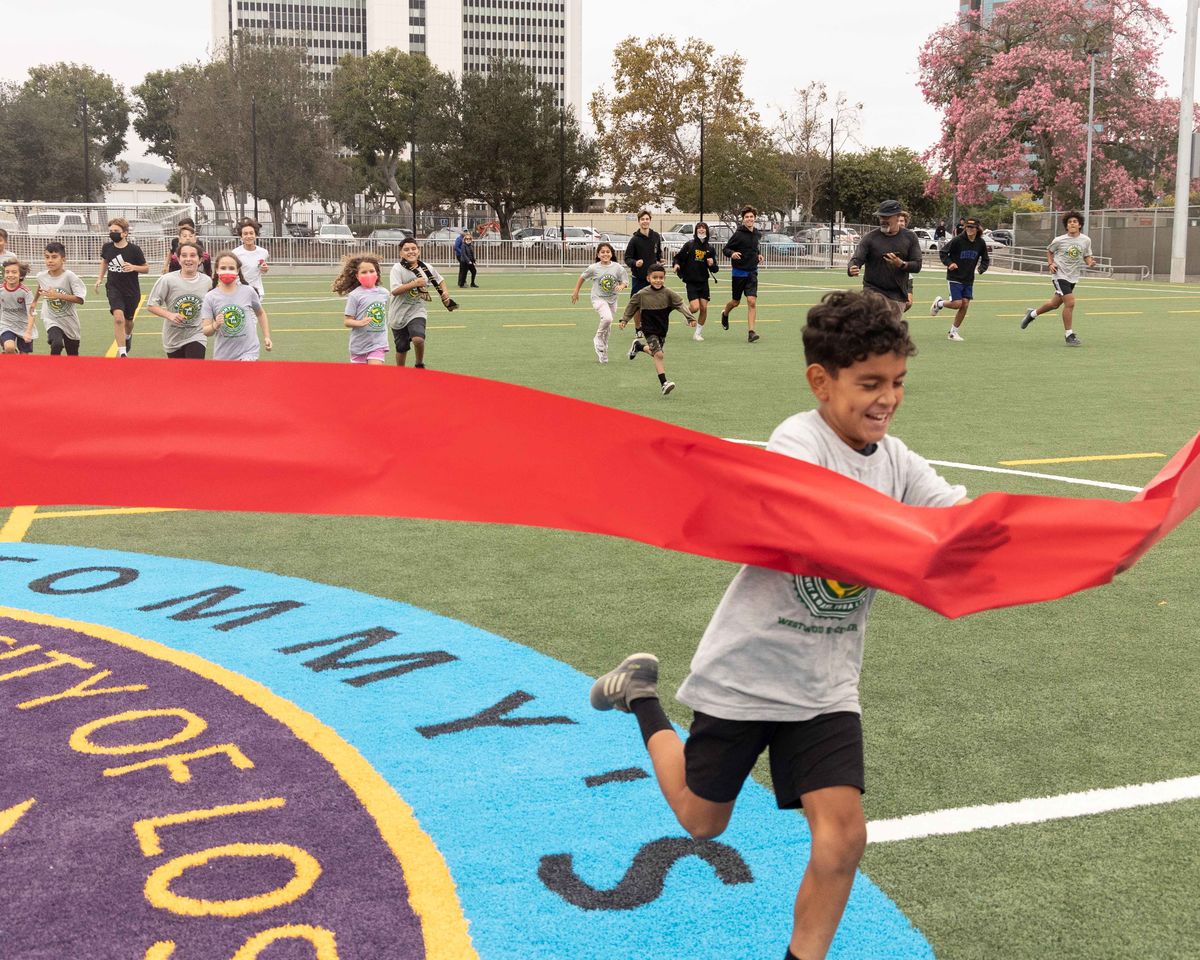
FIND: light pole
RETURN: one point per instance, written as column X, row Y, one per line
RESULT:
column 1183, row 156
column 701, row 164
column 254, row 155
column 87, row 162
column 1087, row 175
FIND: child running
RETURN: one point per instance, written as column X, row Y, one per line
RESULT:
column 5, row 254
column 60, row 292
column 121, row 264
column 224, row 314
column 655, row 303
column 366, row 308
column 608, row 279
column 1066, row 255
column 178, row 297
column 407, row 313
column 17, row 330
column 778, row 666
column 252, row 257
column 963, row 255
column 694, row 262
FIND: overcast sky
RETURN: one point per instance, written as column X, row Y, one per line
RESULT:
column 866, row 48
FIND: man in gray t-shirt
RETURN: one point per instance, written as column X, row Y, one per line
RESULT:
column 778, row 666
column 1066, row 255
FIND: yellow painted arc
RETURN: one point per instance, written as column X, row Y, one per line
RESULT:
column 1093, row 459
column 432, row 893
column 9, row 817
column 17, row 525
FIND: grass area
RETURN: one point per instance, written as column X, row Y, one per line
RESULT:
column 1095, row 690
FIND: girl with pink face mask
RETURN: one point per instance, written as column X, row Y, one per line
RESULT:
column 226, row 311
column 366, row 307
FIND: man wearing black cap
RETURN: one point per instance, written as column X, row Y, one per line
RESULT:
column 889, row 254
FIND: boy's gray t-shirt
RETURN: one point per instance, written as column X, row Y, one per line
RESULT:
column 360, row 303
column 787, row 647
column 61, row 313
column 237, row 336
column 14, row 309
column 605, row 280
column 172, row 291
column 1069, row 254
column 412, row 303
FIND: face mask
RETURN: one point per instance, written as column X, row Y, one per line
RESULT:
column 701, row 235
column 114, row 236
column 229, row 278
column 368, row 280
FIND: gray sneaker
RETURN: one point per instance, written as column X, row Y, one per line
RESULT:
column 634, row 678
column 1074, row 341
column 1030, row 316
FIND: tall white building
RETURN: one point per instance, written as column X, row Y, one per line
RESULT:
column 985, row 7
column 458, row 36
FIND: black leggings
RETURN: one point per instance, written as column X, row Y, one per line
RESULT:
column 462, row 272
column 189, row 351
column 59, row 342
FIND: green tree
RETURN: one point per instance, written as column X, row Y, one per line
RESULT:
column 379, row 104
column 69, row 84
column 507, row 156
column 864, row 179
column 737, row 172
column 804, row 137
column 156, row 106
column 648, row 129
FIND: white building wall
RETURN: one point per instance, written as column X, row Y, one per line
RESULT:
column 443, row 35
column 574, row 61
column 387, row 25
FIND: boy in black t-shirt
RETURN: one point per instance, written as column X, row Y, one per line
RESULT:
column 121, row 262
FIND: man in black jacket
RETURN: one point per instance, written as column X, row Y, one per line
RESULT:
column 694, row 262
column 742, row 250
column 890, row 254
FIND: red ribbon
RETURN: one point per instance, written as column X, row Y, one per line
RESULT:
column 341, row 439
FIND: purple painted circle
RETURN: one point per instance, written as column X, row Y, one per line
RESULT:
column 72, row 868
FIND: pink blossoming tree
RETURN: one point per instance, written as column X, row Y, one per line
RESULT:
column 1014, row 98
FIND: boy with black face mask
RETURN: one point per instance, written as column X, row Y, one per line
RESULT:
column 694, row 262
column 122, row 262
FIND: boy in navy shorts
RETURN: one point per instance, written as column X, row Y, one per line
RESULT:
column 963, row 255
column 778, row 666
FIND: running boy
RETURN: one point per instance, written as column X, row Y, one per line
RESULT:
column 643, row 251
column 655, row 303
column 252, row 257
column 60, row 292
column 186, row 233
column 608, row 279
column 407, row 312
column 178, row 297
column 5, row 254
column 778, row 666
column 121, row 263
column 17, row 330
column 1066, row 254
column 962, row 256
column 694, row 262
column 742, row 251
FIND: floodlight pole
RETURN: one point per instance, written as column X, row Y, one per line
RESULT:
column 701, row 164
column 562, row 180
column 254, row 154
column 832, row 192
column 87, row 163
column 1183, row 157
column 1087, row 176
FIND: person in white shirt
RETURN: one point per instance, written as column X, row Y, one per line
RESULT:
column 252, row 257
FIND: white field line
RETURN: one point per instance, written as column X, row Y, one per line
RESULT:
column 1036, row 810
column 1019, row 473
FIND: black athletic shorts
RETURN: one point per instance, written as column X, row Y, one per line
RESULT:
column 698, row 291
column 1062, row 287
column 23, row 346
column 189, row 351
column 124, row 300
column 745, row 285
column 805, row 755
column 404, row 335
column 59, row 342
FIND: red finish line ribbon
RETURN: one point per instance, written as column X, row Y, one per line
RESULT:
column 337, row 439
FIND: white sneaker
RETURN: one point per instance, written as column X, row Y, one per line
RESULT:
column 936, row 307
column 600, row 351
column 698, row 335
column 668, row 387
column 955, row 335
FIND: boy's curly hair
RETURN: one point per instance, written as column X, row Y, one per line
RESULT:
column 347, row 279
column 847, row 327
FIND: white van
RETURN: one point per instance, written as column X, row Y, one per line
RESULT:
column 52, row 223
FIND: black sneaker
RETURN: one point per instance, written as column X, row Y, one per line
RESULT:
column 752, row 336
column 724, row 321
column 418, row 366
column 635, row 349
column 129, row 344
column 1074, row 341
column 634, row 678
column 1030, row 316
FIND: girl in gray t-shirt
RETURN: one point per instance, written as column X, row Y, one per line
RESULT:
column 608, row 279
column 177, row 297
column 366, row 308
column 225, row 313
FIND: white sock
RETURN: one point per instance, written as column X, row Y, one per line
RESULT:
column 121, row 352
column 1069, row 333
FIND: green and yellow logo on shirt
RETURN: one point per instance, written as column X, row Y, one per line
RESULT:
column 188, row 306
column 1073, row 252
column 377, row 314
column 234, row 318
column 607, row 283
column 829, row 598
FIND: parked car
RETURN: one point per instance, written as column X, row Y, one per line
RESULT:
column 672, row 240
column 1004, row 237
column 336, row 233
column 780, row 245
column 528, row 236
column 444, row 233
column 575, row 236
column 299, row 229
column 928, row 244
column 818, row 237
column 619, row 241
column 215, row 234
column 142, row 229
column 51, row 223
column 391, row 236
column 718, row 233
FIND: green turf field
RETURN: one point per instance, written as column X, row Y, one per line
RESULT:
column 1094, row 691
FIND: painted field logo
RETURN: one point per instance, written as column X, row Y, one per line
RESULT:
column 285, row 760
column 829, row 598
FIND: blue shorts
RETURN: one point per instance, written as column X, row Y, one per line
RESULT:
column 961, row 291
